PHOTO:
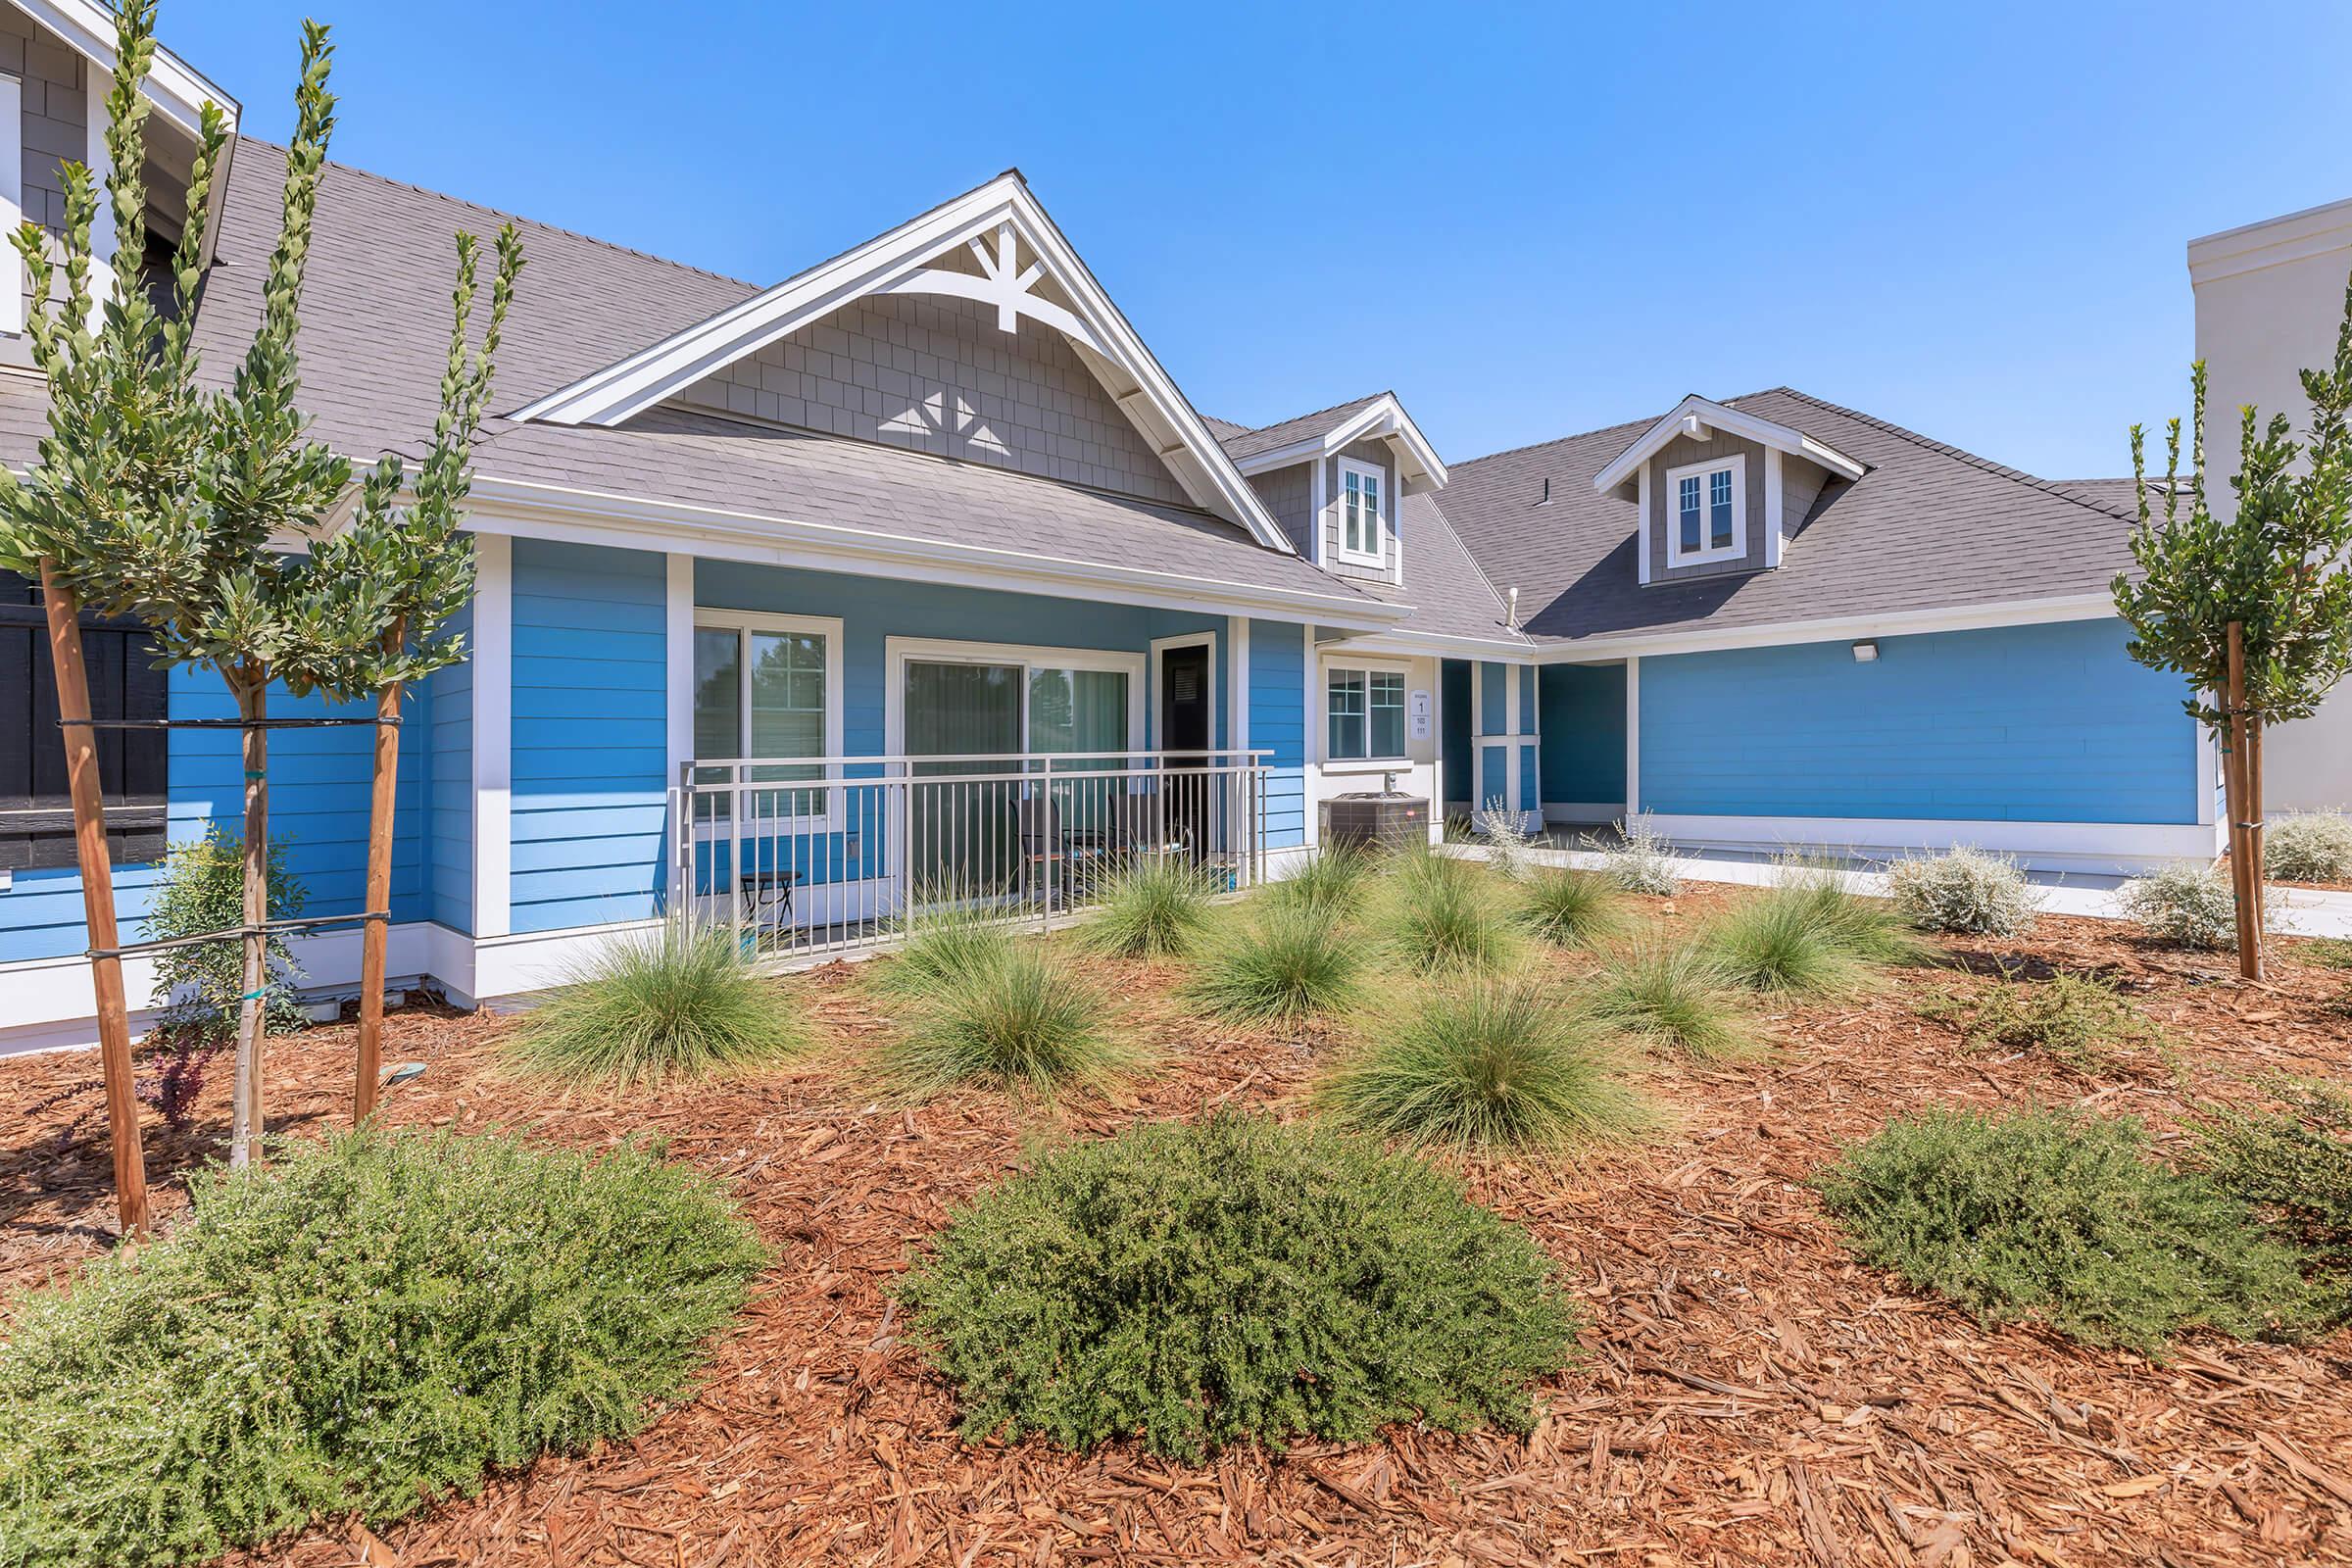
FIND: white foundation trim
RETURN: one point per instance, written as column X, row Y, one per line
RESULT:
column 2108, row 848
column 493, row 735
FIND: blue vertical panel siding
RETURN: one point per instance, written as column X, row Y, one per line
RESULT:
column 1528, row 679
column 1583, row 724
column 1454, row 686
column 2052, row 723
column 1494, row 774
column 1494, row 699
column 1529, row 799
column 1278, row 725
column 591, row 745
column 448, row 823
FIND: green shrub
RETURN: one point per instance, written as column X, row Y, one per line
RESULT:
column 1675, row 997
column 200, row 888
column 1440, row 913
column 2065, row 1219
column 665, row 1005
column 2184, row 905
column 2309, row 847
column 2295, row 1162
column 1776, row 942
column 943, row 941
column 2079, row 1019
column 1332, row 880
column 1153, row 905
column 1197, row 1285
column 1488, row 1065
column 1285, row 962
column 2332, row 952
column 1965, row 890
column 1571, row 909
column 1024, row 1021
column 368, row 1323
column 1638, row 859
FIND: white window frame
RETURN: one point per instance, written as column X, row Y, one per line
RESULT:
column 1366, row 668
column 744, row 623
column 1377, row 556
column 1676, row 555
column 1031, row 657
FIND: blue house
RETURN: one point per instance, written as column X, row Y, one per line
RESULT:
column 916, row 572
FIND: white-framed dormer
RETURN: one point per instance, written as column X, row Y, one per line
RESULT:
column 1364, row 506
column 1707, row 511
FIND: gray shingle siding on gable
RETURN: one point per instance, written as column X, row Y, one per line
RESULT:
column 1676, row 454
column 1289, row 494
column 935, row 373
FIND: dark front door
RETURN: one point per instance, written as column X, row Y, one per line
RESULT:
column 1184, row 724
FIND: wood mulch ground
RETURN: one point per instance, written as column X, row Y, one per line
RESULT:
column 1749, row 1396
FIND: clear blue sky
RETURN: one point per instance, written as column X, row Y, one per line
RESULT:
column 1965, row 217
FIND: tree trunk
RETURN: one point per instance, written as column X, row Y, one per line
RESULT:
column 2245, row 879
column 375, row 935
column 97, row 901
column 2257, row 836
column 246, row 1124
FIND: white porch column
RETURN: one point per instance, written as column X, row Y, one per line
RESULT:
column 1633, row 737
column 1311, row 741
column 678, row 671
column 493, row 735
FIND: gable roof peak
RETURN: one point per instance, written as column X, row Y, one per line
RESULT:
column 1695, row 413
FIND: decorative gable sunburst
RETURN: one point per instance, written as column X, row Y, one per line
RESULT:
column 1026, row 268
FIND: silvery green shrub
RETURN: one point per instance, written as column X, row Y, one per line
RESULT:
column 1964, row 890
column 2310, row 847
column 2189, row 905
column 1640, row 861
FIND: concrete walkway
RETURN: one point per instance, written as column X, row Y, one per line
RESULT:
column 2299, row 912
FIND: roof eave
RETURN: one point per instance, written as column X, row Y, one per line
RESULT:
column 1733, row 421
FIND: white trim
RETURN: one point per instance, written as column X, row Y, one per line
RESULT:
column 527, row 508
column 1217, row 701
column 1775, row 505
column 1633, row 736
column 176, row 89
column 1405, row 643
column 12, row 201
column 678, row 672
column 1236, row 682
column 1382, row 419
column 1003, row 208
column 99, row 162
column 1641, row 534
column 493, row 735
column 1716, row 416
column 1896, row 623
column 2271, row 242
column 2209, row 772
column 524, row 961
column 1704, row 472
column 1310, row 743
column 897, row 650
column 1343, row 551
column 1332, row 663
column 2097, row 848
column 748, row 622
column 1318, row 481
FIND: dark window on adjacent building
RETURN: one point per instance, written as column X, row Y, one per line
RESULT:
column 36, row 818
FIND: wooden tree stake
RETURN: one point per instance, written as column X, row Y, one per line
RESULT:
column 246, row 1121
column 376, row 935
column 97, row 899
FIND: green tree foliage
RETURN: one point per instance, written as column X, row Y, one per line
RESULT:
column 1197, row 1285
column 373, row 1323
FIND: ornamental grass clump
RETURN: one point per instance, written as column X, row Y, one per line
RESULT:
column 1873, row 930
column 1777, row 942
column 946, row 940
column 2309, row 847
column 1490, row 1066
column 1330, row 881
column 1153, row 907
column 2184, row 905
column 1442, row 915
column 1234, row 1281
column 1024, row 1022
column 368, row 1324
column 1675, row 997
column 667, row 1005
column 1283, row 963
column 1571, row 909
column 1964, row 890
column 2065, row 1221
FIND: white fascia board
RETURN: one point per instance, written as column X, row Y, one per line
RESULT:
column 527, row 508
column 178, row 89
column 621, row 391
column 1383, row 419
column 1747, row 426
column 2288, row 237
column 1897, row 623
column 1440, row 644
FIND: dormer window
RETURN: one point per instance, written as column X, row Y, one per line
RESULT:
column 1360, row 512
column 1706, row 511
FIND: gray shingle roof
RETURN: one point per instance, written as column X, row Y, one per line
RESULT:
column 1266, row 438
column 1928, row 527
column 1450, row 595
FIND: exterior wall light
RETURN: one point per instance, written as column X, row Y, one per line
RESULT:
column 1866, row 650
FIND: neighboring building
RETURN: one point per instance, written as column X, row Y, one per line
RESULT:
column 935, row 499
column 2270, row 296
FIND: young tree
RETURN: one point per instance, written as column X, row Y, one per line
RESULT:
column 157, row 497
column 2254, row 609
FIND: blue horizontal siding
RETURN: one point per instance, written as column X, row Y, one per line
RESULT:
column 2052, row 723
column 1582, row 709
column 449, row 790
column 1277, row 679
column 590, row 755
